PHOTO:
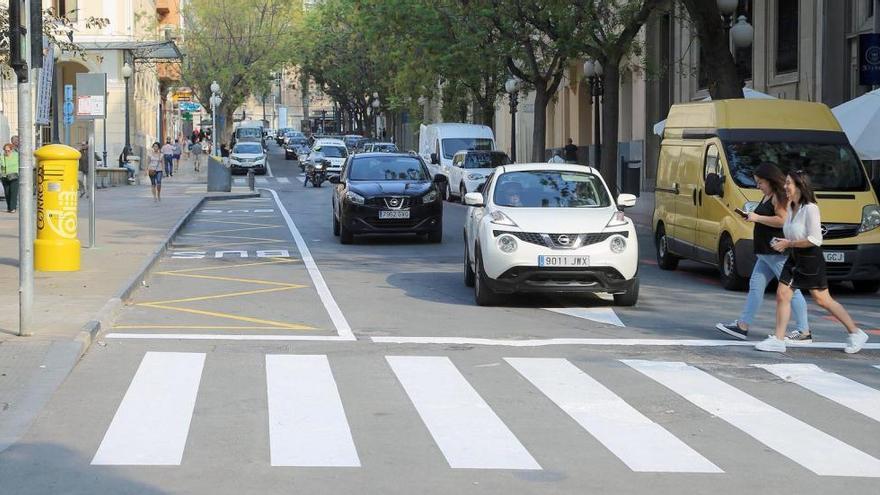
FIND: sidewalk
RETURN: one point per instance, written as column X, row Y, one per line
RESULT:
column 130, row 227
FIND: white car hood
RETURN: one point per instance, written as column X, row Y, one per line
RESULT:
column 482, row 171
column 559, row 220
column 247, row 156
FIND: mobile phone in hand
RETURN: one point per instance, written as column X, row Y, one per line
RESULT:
column 741, row 213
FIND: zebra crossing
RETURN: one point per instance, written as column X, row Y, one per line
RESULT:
column 309, row 420
column 261, row 181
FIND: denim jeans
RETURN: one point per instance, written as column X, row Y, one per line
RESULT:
column 767, row 267
column 169, row 164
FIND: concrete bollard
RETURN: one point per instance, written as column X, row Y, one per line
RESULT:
column 250, row 179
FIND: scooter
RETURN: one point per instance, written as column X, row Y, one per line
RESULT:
column 316, row 173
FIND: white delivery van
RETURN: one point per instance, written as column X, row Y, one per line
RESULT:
column 249, row 131
column 438, row 143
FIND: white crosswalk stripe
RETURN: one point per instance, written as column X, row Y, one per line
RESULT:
column 238, row 181
column 309, row 427
column 152, row 422
column 283, row 180
column 640, row 443
column 846, row 392
column 468, row 432
column 811, row 448
column 262, row 180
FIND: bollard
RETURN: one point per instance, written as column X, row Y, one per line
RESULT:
column 57, row 248
column 250, row 179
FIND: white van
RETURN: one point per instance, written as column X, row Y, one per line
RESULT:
column 249, row 131
column 438, row 143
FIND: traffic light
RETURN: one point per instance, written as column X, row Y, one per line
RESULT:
column 18, row 59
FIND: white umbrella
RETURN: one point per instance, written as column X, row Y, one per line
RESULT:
column 860, row 120
column 748, row 93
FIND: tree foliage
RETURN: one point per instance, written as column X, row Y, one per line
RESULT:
column 57, row 28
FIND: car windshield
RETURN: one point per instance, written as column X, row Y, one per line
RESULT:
column 551, row 189
column 332, row 151
column 485, row 160
column 249, row 132
column 831, row 167
column 248, row 148
column 452, row 146
column 379, row 168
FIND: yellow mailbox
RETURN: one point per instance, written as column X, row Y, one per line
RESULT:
column 56, row 248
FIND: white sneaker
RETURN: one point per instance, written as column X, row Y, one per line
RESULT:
column 771, row 344
column 855, row 342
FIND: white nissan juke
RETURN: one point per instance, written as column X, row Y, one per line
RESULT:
column 549, row 228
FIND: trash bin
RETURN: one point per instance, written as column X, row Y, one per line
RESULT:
column 219, row 175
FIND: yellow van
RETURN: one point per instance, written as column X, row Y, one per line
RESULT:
column 707, row 156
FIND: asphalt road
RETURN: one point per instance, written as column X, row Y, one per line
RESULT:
column 264, row 357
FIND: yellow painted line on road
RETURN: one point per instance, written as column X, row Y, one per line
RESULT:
column 229, row 279
column 276, row 324
column 274, row 261
column 192, row 327
column 221, row 296
column 239, row 243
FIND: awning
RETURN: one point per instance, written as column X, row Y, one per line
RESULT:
column 141, row 50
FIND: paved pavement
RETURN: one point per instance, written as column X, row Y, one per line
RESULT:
column 265, row 357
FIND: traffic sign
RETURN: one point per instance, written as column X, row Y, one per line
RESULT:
column 189, row 106
column 68, row 104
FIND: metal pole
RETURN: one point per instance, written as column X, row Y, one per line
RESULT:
column 127, row 142
column 56, row 135
column 514, row 100
column 104, row 128
column 597, row 131
column 91, row 152
column 214, row 127
column 26, row 213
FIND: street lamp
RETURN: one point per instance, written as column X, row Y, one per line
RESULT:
column 215, row 102
column 593, row 72
column 512, row 87
column 126, row 74
column 375, row 104
column 740, row 33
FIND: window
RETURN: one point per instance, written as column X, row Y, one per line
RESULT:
column 388, row 168
column 452, row 146
column 485, row 160
column 67, row 8
column 713, row 164
column 786, row 36
column 550, row 189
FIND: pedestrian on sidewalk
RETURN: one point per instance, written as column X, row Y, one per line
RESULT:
column 16, row 143
column 768, row 218
column 168, row 158
column 570, row 152
column 176, row 155
column 154, row 170
column 196, row 150
column 805, row 267
column 125, row 162
column 9, row 176
column 83, row 176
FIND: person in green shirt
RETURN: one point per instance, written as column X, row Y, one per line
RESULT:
column 9, row 177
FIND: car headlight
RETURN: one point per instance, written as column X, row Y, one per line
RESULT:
column 354, row 197
column 618, row 219
column 506, row 243
column 430, row 197
column 475, row 177
column 618, row 244
column 499, row 218
column 870, row 218
column 319, row 166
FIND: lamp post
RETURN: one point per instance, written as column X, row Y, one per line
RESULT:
column 512, row 87
column 593, row 72
column 376, row 104
column 126, row 74
column 169, row 115
column 740, row 34
column 215, row 102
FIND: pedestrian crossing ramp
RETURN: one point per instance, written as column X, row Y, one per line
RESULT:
column 309, row 426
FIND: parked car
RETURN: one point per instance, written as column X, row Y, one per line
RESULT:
column 550, row 228
column 387, row 193
column 246, row 156
column 469, row 170
column 705, row 171
column 332, row 150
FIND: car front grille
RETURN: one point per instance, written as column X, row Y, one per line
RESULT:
column 557, row 241
column 839, row 230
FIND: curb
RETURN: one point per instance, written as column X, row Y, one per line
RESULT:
column 105, row 316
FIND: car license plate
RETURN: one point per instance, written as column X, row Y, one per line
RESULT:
column 564, row 261
column 393, row 214
column 834, row 257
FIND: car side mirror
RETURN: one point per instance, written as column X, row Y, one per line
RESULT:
column 714, row 185
column 440, row 179
column 626, row 200
column 473, row 199
column 333, row 179
column 434, row 160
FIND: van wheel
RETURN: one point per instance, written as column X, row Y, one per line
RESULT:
column 665, row 259
column 730, row 278
column 345, row 235
column 461, row 192
column 630, row 297
column 866, row 286
column 483, row 294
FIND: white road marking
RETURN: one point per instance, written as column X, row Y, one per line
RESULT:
column 465, row 428
column 262, row 180
column 269, row 169
column 842, row 390
column 307, row 424
column 343, row 329
column 210, row 336
column 601, row 315
column 811, row 448
column 152, row 422
column 594, row 342
column 640, row 443
column 238, row 181
column 283, row 180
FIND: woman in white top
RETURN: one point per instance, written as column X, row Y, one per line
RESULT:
column 154, row 170
column 805, row 267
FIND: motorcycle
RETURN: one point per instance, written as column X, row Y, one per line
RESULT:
column 316, row 173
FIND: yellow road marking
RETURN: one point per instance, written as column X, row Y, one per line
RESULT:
column 231, row 279
column 274, row 262
column 277, row 324
column 237, row 243
column 192, row 327
column 221, row 296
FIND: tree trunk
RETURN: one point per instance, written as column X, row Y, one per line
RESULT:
column 610, row 118
column 724, row 82
column 539, row 133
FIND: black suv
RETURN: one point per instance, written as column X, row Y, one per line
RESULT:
column 387, row 193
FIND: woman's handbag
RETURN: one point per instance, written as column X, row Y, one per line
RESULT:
column 151, row 173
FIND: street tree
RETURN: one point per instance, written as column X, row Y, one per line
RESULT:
column 717, row 60
column 57, row 28
column 236, row 43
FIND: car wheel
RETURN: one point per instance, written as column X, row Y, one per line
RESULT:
column 436, row 236
column 730, row 278
column 866, row 286
column 483, row 294
column 345, row 235
column 665, row 259
column 287, row 157
column 630, row 297
column 335, row 225
column 461, row 193
column 468, row 271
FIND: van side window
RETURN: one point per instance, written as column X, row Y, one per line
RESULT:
column 713, row 161
column 456, row 162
